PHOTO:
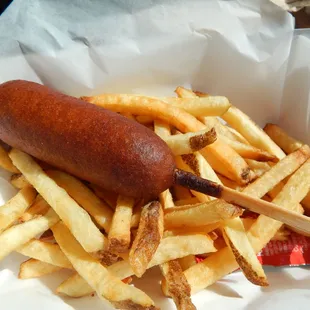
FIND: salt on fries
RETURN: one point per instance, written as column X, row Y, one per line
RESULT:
column 106, row 239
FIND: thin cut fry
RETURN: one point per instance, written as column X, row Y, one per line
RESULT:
column 119, row 234
column 6, row 162
column 148, row 238
column 162, row 129
column 254, row 134
column 100, row 212
column 190, row 142
column 38, row 207
column 258, row 167
column 109, row 197
column 201, row 214
column 75, row 217
column 46, row 252
column 15, row 207
column 19, row 181
column 287, row 143
column 182, row 120
column 169, row 249
column 176, row 285
column 33, row 268
column 223, row 262
column 98, row 277
column 17, row 235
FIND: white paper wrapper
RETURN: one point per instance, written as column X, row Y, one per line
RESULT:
column 240, row 49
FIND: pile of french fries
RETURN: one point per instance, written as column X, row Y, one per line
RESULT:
column 60, row 222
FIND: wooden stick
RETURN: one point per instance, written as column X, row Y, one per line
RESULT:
column 272, row 210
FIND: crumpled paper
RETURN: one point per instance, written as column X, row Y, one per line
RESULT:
column 241, row 49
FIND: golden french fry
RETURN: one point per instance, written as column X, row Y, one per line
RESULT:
column 229, row 183
column 287, row 143
column 176, row 285
column 98, row 277
column 180, row 192
column 182, row 120
column 254, row 134
column 19, row 181
column 75, row 217
column 119, row 234
column 249, row 151
column 99, row 211
column 6, row 162
column 187, row 261
column 200, row 230
column 200, row 214
column 190, row 142
column 169, row 249
column 236, row 239
column 17, row 235
column 162, row 129
column 135, row 219
column 201, row 106
column 147, row 240
column 33, row 268
column 46, row 252
column 189, row 201
column 15, row 207
column 223, row 262
column 144, row 119
column 258, row 167
column 38, row 207
column 109, row 197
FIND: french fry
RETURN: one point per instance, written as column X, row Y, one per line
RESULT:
column 46, row 252
column 6, row 162
column 33, row 268
column 235, row 238
column 162, row 129
column 201, row 106
column 144, row 119
column 148, row 238
column 135, row 219
column 38, row 207
column 17, row 235
column 200, row 214
column 98, row 277
column 287, row 143
column 187, row 261
column 229, row 183
column 19, row 181
column 200, row 230
column 176, row 285
column 223, row 262
column 258, row 167
column 190, row 142
column 255, row 135
column 100, row 211
column 189, row 201
column 249, row 151
column 119, row 234
column 169, row 249
column 179, row 118
column 75, row 217
column 15, row 207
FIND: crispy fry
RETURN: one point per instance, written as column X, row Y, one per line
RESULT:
column 180, row 192
column 6, row 162
column 19, row 181
column 119, row 234
column 33, row 268
column 169, row 249
column 46, row 252
column 182, row 120
column 190, row 142
column 100, row 212
column 149, row 235
column 187, row 261
column 189, row 201
column 98, row 277
column 135, row 219
column 176, row 285
column 38, row 207
column 249, row 151
column 162, row 129
column 200, row 230
column 75, row 217
column 255, row 135
column 15, row 207
column 109, row 197
column 230, row 183
column 239, row 244
column 223, row 262
column 17, row 235
column 259, row 168
column 200, row 214
column 282, row 139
